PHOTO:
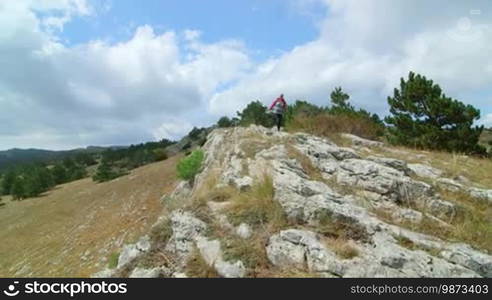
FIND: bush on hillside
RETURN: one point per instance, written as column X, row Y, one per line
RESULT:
column 422, row 116
column 189, row 166
column 196, row 132
column 226, row 122
column 255, row 113
column 341, row 117
column 329, row 125
column 340, row 105
column 302, row 108
column 105, row 172
column 160, row 154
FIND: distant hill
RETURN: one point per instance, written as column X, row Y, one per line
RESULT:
column 73, row 229
column 17, row 156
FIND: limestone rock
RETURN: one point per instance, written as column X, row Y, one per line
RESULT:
column 358, row 141
column 244, row 231
column 186, row 229
column 146, row 273
column 347, row 196
column 425, row 171
column 106, row 273
column 464, row 255
column 132, row 251
column 182, row 190
column 302, row 250
column 383, row 180
column 397, row 164
column 481, row 194
column 211, row 252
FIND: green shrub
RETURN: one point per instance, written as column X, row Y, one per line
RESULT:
column 113, row 260
column 160, row 154
column 225, row 122
column 189, row 166
column 330, row 125
column 105, row 172
column 255, row 113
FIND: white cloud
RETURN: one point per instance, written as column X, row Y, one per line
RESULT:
column 172, row 130
column 486, row 121
column 158, row 85
column 367, row 46
column 125, row 92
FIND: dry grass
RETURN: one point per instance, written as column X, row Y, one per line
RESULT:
column 250, row 251
column 331, row 125
column 48, row 236
column 161, row 233
column 290, row 273
column 258, row 207
column 251, row 147
column 407, row 243
column 342, row 247
column 197, row 267
column 255, row 207
column 333, row 228
column 473, row 226
column 477, row 170
column 307, row 165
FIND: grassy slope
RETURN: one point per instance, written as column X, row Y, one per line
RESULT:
column 72, row 230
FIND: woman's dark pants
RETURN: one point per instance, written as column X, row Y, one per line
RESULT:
column 278, row 118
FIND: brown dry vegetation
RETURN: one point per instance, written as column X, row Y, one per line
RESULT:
column 197, row 267
column 342, row 247
column 331, row 126
column 477, row 170
column 257, row 207
column 49, row 235
column 473, row 224
column 307, row 165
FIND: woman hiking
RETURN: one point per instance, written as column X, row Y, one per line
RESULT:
column 278, row 108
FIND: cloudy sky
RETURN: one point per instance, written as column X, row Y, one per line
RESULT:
column 112, row 72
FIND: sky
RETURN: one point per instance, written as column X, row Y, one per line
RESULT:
column 75, row 73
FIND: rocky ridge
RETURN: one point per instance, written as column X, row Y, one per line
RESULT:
column 317, row 185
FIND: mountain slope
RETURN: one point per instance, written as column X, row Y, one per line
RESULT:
column 279, row 204
column 73, row 229
column 12, row 157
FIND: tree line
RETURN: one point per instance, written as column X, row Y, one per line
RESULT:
column 421, row 116
column 31, row 180
column 117, row 162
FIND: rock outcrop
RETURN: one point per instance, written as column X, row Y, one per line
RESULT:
column 317, row 184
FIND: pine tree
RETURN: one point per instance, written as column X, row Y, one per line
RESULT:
column 423, row 116
column 340, row 100
column 255, row 113
column 105, row 173
column 8, row 181
column 46, row 178
column 17, row 191
column 224, row 122
column 59, row 174
column 32, row 185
